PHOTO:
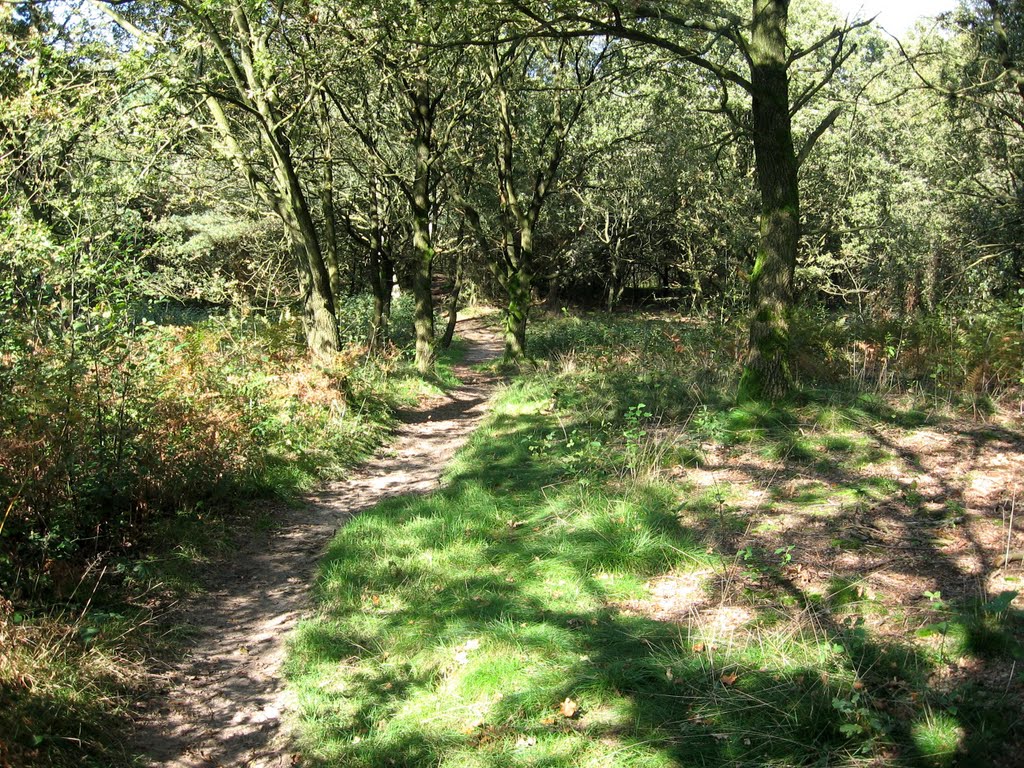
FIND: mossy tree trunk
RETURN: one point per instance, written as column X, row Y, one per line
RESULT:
column 319, row 319
column 381, row 274
column 518, row 287
column 422, row 120
column 519, row 215
column 766, row 372
column 453, row 302
column 260, row 116
column 331, row 256
column 283, row 192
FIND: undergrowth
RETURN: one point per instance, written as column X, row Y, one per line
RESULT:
column 131, row 451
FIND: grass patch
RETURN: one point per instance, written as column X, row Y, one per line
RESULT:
column 67, row 683
column 571, row 598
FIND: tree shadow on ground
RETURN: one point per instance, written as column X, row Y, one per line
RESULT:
column 453, row 626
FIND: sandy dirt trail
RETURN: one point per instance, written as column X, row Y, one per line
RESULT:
column 223, row 704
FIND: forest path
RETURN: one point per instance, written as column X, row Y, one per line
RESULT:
column 223, row 704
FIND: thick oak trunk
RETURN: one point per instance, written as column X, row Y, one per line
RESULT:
column 766, row 374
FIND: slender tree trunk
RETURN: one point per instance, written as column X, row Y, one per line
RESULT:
column 319, row 319
column 422, row 240
column 378, row 323
column 766, row 374
column 615, row 279
column 453, row 303
column 387, row 267
column 327, row 206
column 520, row 294
column 320, row 322
column 288, row 201
column 380, row 275
column 421, row 288
column 331, row 232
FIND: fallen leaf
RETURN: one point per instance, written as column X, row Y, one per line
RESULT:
column 729, row 679
column 698, row 647
column 568, row 708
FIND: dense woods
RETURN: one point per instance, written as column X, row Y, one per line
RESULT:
column 235, row 235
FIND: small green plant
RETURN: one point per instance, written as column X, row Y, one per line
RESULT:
column 859, row 718
column 635, row 418
column 709, row 424
column 939, row 606
column 785, row 555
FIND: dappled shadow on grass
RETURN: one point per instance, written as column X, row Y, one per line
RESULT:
column 65, row 722
column 925, row 536
column 453, row 626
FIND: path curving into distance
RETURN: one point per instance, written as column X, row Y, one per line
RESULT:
column 223, row 704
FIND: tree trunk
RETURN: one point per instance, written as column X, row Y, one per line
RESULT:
column 520, row 294
column 422, row 241
column 330, row 224
column 381, row 298
column 289, row 202
column 380, row 275
column 319, row 319
column 516, row 315
column 453, row 303
column 766, row 374
column 615, row 278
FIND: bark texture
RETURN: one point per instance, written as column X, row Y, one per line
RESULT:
column 766, row 374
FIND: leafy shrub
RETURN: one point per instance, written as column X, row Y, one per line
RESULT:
column 117, row 424
column 975, row 357
column 356, row 312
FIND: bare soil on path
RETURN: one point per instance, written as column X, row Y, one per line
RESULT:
column 223, row 704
